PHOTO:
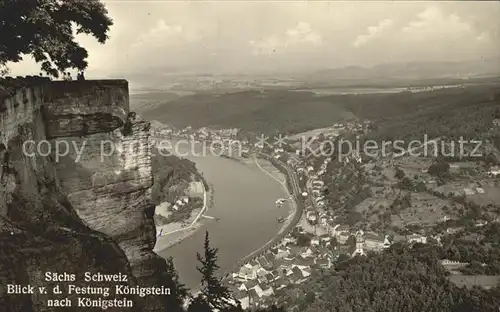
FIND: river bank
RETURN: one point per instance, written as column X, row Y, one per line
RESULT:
column 169, row 235
column 293, row 215
column 244, row 202
column 268, row 168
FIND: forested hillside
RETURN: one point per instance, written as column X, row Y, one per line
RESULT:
column 171, row 176
column 254, row 111
column 400, row 279
column 452, row 111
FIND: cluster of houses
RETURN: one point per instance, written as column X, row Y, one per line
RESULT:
column 264, row 280
column 202, row 134
column 494, row 171
column 319, row 201
column 158, row 129
column 183, row 201
column 354, row 127
column 215, row 135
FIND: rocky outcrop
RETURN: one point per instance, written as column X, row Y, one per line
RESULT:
column 85, row 205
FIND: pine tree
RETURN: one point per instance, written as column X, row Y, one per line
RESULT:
column 215, row 294
column 497, row 113
column 178, row 291
column 236, row 308
column 199, row 304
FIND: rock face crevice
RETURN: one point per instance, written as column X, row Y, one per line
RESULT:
column 85, row 204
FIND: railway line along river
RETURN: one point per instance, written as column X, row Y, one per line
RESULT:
column 244, row 200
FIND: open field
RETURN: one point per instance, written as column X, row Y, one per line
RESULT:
column 491, row 196
column 150, row 99
column 308, row 134
column 425, row 210
column 485, row 281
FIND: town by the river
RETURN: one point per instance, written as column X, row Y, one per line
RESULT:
column 244, row 200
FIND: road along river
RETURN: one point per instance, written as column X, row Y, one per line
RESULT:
column 244, row 200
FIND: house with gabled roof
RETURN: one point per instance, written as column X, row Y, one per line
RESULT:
column 304, row 262
column 287, row 272
column 247, row 272
column 323, row 220
column 261, row 272
column 315, row 241
column 494, row 171
column 289, row 240
column 267, row 291
column 417, row 238
column 271, row 277
column 248, row 285
column 374, row 242
column 340, row 228
column 323, row 251
column 306, row 252
column 305, row 269
column 243, row 298
column 277, row 263
column 282, row 253
column 453, row 230
column 325, row 238
column 358, row 252
column 323, row 263
column 343, row 236
column 281, row 283
column 297, row 276
column 253, row 296
column 341, row 250
column 269, row 257
column 294, row 251
column 258, row 289
column 263, row 261
column 306, row 272
column 262, row 280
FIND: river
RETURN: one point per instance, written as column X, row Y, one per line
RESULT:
column 344, row 91
column 244, row 199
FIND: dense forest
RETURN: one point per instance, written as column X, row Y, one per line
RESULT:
column 478, row 246
column 171, row 176
column 451, row 113
column 399, row 279
column 448, row 112
column 402, row 278
column 252, row 111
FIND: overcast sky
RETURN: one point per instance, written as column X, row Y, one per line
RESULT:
column 242, row 35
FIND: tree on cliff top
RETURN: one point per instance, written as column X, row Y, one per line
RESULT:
column 44, row 30
column 213, row 292
column 178, row 291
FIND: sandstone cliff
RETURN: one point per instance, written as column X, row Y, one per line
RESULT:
column 84, row 207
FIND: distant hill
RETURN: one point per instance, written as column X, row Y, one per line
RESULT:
column 402, row 114
column 254, row 111
column 146, row 99
column 392, row 73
